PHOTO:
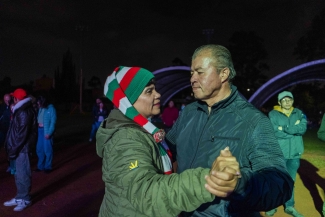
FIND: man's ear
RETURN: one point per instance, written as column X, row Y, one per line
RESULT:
column 224, row 74
column 279, row 103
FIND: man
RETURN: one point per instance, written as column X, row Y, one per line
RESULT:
column 21, row 136
column 289, row 125
column 5, row 113
column 221, row 118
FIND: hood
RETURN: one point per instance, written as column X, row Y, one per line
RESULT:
column 278, row 108
column 21, row 103
column 115, row 121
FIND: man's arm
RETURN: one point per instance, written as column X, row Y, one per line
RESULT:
column 21, row 129
column 277, row 127
column 265, row 184
column 299, row 128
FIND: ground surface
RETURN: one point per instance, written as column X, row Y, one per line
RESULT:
column 75, row 187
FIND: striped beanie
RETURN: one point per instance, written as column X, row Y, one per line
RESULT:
column 123, row 87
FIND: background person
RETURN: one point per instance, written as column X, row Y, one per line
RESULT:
column 5, row 118
column 46, row 127
column 321, row 136
column 5, row 114
column 135, row 160
column 100, row 112
column 321, row 130
column 22, row 134
column 169, row 115
column 289, row 125
column 221, row 117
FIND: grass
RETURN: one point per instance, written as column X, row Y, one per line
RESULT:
column 314, row 149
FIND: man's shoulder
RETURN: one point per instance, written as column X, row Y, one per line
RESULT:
column 246, row 108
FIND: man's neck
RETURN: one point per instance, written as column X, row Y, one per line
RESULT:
column 286, row 111
column 223, row 94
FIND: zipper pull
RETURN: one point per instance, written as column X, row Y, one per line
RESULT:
column 212, row 138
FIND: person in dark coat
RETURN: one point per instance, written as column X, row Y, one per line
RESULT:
column 22, row 135
column 221, row 118
column 5, row 114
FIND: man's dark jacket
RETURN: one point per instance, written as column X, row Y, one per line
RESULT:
column 199, row 137
column 22, row 133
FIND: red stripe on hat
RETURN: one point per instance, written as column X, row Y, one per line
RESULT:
column 140, row 120
column 117, row 96
column 127, row 78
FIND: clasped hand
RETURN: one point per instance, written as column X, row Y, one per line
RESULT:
column 224, row 174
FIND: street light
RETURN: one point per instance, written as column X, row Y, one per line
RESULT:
column 81, row 28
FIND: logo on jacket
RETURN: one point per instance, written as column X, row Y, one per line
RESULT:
column 133, row 166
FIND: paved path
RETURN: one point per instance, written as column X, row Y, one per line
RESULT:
column 75, row 187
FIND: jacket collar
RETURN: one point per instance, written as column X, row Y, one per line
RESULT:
column 21, row 103
column 221, row 104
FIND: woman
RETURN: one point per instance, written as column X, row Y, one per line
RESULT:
column 46, row 127
column 135, row 163
column 100, row 112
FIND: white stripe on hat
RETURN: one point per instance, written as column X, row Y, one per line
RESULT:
column 108, row 81
column 121, row 74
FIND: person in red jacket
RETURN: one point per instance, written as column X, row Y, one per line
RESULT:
column 169, row 115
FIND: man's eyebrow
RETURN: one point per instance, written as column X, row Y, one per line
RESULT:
column 196, row 69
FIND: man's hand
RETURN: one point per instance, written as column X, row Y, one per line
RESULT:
column 280, row 127
column 225, row 160
column 297, row 122
column 224, row 174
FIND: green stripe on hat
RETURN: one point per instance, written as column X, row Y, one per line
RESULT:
column 137, row 85
column 112, row 86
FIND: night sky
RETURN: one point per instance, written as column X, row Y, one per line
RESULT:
column 34, row 35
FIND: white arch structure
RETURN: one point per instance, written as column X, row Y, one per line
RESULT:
column 311, row 71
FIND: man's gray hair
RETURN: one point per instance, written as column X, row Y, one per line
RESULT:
column 221, row 57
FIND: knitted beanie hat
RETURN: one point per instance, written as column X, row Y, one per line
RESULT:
column 123, row 87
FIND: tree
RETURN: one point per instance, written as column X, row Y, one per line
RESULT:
column 248, row 54
column 312, row 45
column 66, row 86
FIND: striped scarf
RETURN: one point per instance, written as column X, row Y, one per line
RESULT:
column 123, row 87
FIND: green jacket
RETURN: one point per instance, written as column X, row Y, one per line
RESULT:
column 135, row 184
column 290, row 137
column 321, row 130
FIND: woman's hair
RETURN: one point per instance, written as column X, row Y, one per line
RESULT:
column 152, row 81
column 42, row 101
